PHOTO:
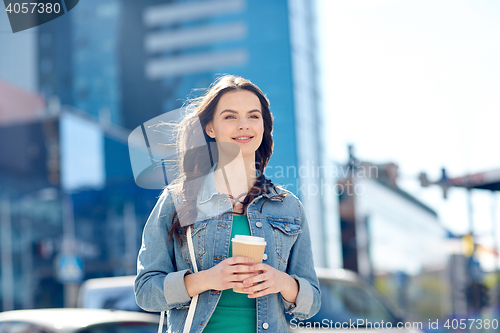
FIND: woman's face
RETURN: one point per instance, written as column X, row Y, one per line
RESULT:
column 238, row 119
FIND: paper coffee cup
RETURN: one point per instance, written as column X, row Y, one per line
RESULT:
column 248, row 246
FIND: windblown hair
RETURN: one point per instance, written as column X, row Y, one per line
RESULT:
column 195, row 160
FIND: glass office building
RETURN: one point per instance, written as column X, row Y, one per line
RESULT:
column 78, row 60
column 66, row 189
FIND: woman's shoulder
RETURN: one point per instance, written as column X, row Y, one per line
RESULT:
column 283, row 191
column 172, row 192
column 170, row 197
column 290, row 203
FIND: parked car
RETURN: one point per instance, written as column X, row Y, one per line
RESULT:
column 77, row 321
column 348, row 302
column 108, row 293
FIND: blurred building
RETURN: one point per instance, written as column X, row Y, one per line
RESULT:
column 78, row 59
column 468, row 278
column 67, row 190
column 394, row 240
column 19, row 105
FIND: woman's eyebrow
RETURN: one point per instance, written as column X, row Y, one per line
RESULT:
column 232, row 111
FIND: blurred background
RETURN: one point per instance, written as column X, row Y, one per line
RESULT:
column 386, row 116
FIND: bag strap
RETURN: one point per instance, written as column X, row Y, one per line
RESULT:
column 162, row 317
column 191, row 250
column 194, row 300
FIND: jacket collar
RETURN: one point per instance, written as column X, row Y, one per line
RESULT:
column 208, row 189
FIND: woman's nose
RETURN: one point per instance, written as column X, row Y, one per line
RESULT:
column 243, row 124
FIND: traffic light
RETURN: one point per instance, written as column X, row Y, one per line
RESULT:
column 484, row 297
column 477, row 295
column 444, row 182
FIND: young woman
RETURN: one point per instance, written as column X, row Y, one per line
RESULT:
column 225, row 143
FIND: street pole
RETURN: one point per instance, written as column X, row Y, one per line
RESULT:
column 6, row 248
column 475, row 295
column 70, row 289
column 30, row 277
column 130, row 234
column 494, row 222
column 27, row 258
column 470, row 212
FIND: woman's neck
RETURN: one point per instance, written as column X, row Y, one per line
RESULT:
column 237, row 176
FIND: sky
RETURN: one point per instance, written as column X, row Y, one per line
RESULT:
column 416, row 82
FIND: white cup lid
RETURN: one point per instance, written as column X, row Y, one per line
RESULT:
column 253, row 240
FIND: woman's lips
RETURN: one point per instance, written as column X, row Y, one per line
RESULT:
column 243, row 139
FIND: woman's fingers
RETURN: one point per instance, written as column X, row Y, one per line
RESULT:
column 260, row 267
column 241, row 277
column 263, row 273
column 239, row 269
column 259, row 290
column 259, row 294
column 264, row 283
column 256, row 278
column 239, row 260
column 229, row 271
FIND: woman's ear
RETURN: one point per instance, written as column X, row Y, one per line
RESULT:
column 210, row 130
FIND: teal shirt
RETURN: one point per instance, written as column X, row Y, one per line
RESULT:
column 235, row 312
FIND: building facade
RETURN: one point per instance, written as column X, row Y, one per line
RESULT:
column 395, row 241
column 67, row 191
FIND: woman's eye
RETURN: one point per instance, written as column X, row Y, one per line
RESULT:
column 255, row 117
column 229, row 117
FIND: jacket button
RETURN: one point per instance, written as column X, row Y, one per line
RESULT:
column 287, row 228
column 265, row 326
column 264, row 257
column 258, row 224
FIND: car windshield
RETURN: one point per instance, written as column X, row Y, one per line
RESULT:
column 20, row 327
column 117, row 298
column 124, row 327
column 343, row 301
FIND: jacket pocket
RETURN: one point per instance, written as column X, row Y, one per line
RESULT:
column 198, row 234
column 285, row 232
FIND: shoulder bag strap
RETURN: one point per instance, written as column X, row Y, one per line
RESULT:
column 162, row 318
column 194, row 300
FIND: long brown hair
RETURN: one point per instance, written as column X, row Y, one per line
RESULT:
column 193, row 155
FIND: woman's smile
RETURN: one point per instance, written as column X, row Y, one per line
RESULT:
column 243, row 139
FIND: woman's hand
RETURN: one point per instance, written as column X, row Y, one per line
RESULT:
column 272, row 281
column 224, row 275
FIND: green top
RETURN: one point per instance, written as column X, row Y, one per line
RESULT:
column 235, row 312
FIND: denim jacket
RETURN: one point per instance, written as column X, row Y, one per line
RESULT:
column 161, row 266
